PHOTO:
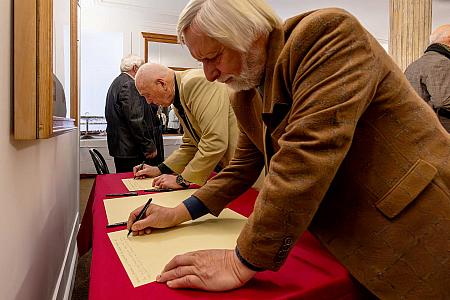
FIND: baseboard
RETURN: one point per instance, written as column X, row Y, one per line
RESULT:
column 63, row 288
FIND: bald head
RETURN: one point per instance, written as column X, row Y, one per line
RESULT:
column 150, row 73
column 156, row 83
column 441, row 35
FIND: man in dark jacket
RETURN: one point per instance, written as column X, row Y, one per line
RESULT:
column 430, row 74
column 133, row 129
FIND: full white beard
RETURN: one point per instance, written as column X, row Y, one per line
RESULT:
column 251, row 74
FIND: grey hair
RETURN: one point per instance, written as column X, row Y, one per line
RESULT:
column 234, row 23
column 128, row 62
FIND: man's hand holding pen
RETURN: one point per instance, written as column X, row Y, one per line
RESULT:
column 157, row 217
column 139, row 168
column 145, row 171
column 213, row 270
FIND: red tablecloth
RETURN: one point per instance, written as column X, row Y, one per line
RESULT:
column 310, row 272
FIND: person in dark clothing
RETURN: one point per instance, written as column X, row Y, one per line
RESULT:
column 157, row 132
column 133, row 128
column 430, row 74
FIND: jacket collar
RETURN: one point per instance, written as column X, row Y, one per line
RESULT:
column 176, row 101
column 275, row 67
column 275, row 45
column 439, row 48
column 126, row 73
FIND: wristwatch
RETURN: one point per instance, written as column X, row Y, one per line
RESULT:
column 181, row 181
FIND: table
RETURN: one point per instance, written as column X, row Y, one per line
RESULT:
column 310, row 271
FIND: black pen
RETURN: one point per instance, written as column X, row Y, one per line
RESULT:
column 116, row 224
column 141, row 214
column 159, row 190
column 140, row 168
column 122, row 194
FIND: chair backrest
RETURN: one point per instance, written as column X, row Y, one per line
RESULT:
column 99, row 161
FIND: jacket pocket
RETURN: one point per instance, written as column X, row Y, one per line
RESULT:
column 407, row 189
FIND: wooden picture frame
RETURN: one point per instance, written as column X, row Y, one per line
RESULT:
column 33, row 71
column 150, row 37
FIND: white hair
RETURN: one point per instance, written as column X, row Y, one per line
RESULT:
column 128, row 62
column 234, row 23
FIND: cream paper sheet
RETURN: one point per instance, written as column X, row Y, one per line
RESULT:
column 144, row 257
column 119, row 209
column 138, row 184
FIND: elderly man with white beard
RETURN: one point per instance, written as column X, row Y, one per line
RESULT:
column 351, row 153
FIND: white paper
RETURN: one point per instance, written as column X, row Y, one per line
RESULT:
column 144, row 257
column 119, row 209
column 138, row 184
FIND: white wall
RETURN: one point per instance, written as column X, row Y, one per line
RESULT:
column 441, row 13
column 374, row 15
column 39, row 195
column 101, row 53
column 130, row 17
column 109, row 19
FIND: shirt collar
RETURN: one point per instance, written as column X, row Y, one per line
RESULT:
column 176, row 100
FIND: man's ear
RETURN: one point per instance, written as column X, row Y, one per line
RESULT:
column 163, row 83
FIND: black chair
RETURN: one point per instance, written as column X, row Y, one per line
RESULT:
column 99, row 161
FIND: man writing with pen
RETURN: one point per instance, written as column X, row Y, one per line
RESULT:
column 209, row 124
column 351, row 153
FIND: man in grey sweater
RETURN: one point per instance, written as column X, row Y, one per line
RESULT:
column 430, row 74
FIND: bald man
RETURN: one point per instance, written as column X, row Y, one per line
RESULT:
column 430, row 74
column 208, row 121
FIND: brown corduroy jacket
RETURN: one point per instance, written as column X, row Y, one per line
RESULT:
column 352, row 154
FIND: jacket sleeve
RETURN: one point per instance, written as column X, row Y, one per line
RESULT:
column 178, row 159
column 209, row 104
column 134, row 112
column 236, row 178
column 333, row 76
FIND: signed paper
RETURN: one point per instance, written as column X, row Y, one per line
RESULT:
column 138, row 184
column 119, row 209
column 144, row 257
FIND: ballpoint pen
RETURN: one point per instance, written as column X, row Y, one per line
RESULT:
column 140, row 168
column 122, row 194
column 140, row 215
column 116, row 224
column 159, row 190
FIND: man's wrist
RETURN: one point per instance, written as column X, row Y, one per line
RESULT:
column 182, row 182
column 195, row 207
column 245, row 262
column 157, row 171
column 181, row 214
column 164, row 169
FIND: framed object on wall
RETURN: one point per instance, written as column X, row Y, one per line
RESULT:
column 165, row 49
column 45, row 68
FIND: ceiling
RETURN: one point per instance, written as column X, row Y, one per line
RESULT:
column 372, row 14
